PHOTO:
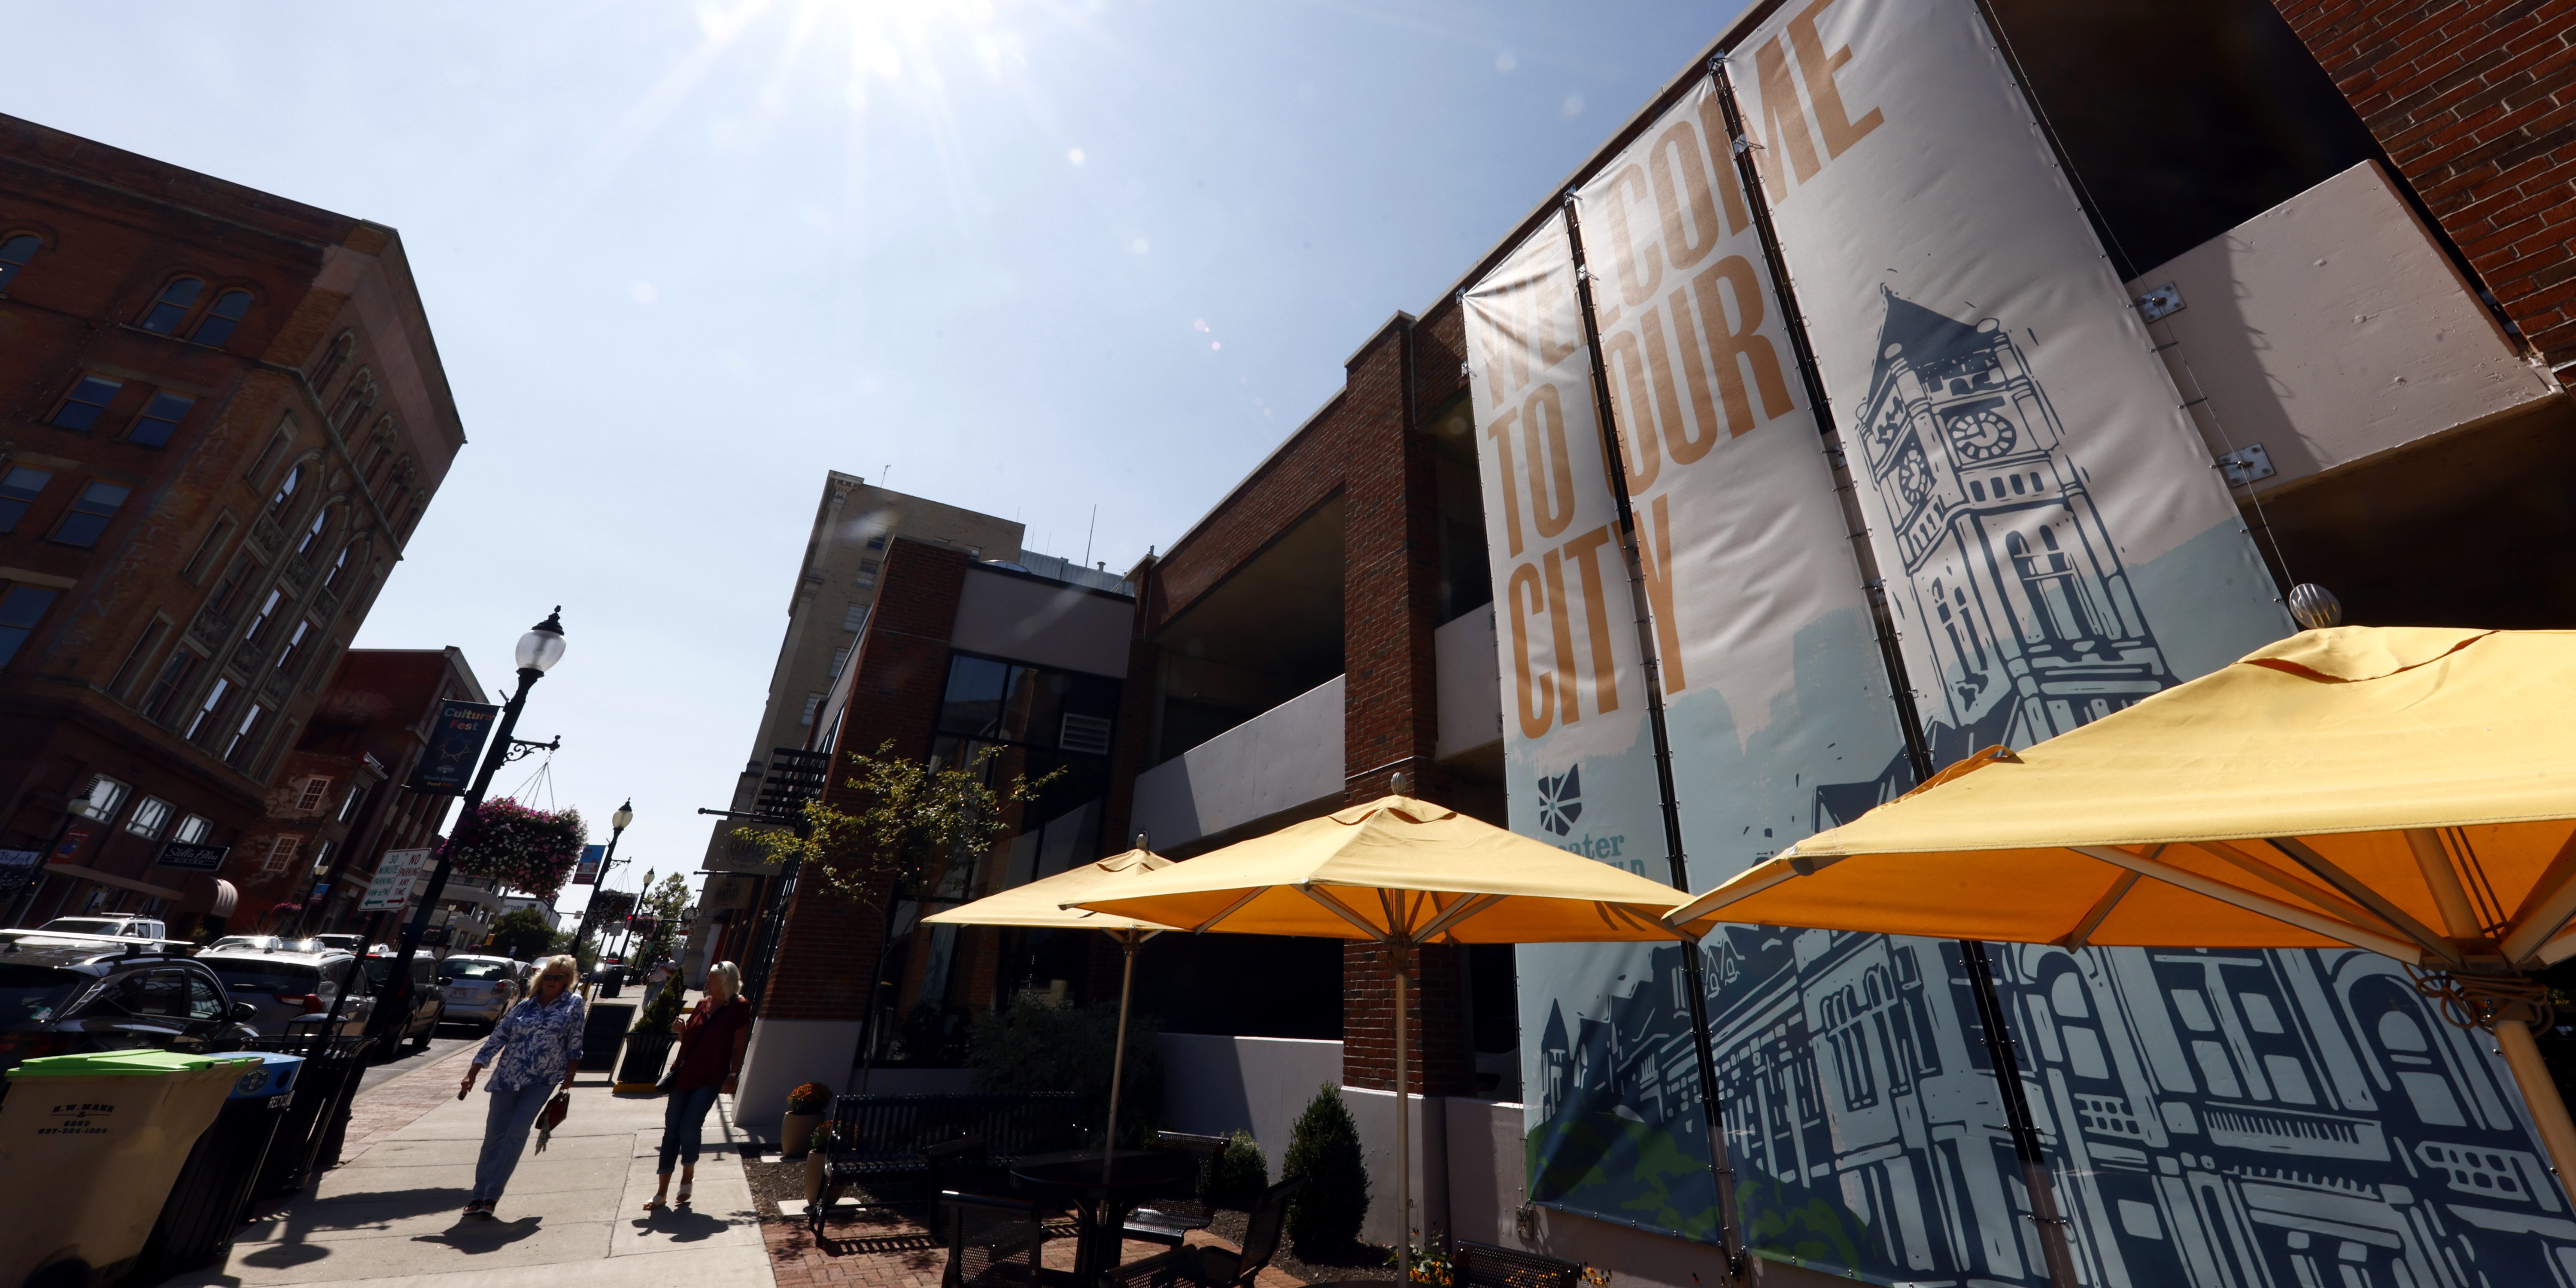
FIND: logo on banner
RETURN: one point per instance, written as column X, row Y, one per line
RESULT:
column 455, row 747
column 586, row 872
column 1560, row 801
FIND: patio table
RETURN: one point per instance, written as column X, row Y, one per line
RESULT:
column 1102, row 1197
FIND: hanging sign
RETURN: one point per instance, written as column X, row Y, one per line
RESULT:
column 398, row 875
column 192, row 858
column 456, row 736
column 586, row 871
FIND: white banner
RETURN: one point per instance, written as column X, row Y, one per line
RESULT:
column 399, row 876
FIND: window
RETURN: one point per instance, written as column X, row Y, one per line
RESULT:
column 286, row 489
column 868, row 572
column 210, row 712
column 19, row 489
column 164, row 694
column 15, row 250
column 322, row 857
column 82, row 405
column 313, row 534
column 204, row 1003
column 151, row 814
column 812, row 701
column 877, row 542
column 102, row 799
column 281, row 854
column 840, row 658
column 854, row 618
column 316, row 790
column 170, row 308
column 89, row 515
column 276, row 447
column 339, row 567
column 139, row 659
column 349, row 807
column 294, row 653
column 267, row 613
column 217, row 326
column 160, row 419
column 219, row 602
column 331, row 363
column 21, row 607
column 192, row 830
column 245, row 739
column 208, row 550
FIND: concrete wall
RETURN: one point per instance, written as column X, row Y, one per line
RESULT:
column 1219, row 1085
column 1004, row 614
column 2331, row 328
column 1286, row 757
column 784, row 1054
column 1471, row 682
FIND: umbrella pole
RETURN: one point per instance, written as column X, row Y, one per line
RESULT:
column 1118, row 1061
column 2017, row 1122
column 2540, row 1096
column 1403, row 1154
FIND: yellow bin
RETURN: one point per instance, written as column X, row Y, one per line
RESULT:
column 89, row 1147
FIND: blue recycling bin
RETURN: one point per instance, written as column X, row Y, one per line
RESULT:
column 212, row 1196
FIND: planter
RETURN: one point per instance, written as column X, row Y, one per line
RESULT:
column 795, row 1131
column 815, row 1161
column 642, row 1066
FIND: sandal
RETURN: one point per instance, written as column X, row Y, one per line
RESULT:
column 655, row 1204
column 684, row 1193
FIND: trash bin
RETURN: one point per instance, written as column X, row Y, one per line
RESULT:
column 208, row 1203
column 89, row 1146
column 308, row 1136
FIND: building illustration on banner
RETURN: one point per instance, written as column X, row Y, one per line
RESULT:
column 2219, row 1117
column 2012, row 576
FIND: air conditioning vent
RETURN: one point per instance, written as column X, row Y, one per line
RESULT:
column 1087, row 734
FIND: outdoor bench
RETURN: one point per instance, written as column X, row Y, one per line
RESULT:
column 876, row 1138
column 1482, row 1265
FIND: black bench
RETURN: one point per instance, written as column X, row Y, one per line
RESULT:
column 1482, row 1265
column 881, row 1138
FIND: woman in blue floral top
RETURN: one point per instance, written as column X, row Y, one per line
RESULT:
column 532, row 1051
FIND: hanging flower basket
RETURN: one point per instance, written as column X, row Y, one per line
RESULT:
column 507, row 843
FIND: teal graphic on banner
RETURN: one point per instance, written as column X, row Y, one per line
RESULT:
column 455, row 748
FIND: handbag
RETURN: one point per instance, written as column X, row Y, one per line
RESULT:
column 670, row 1080
column 551, row 1117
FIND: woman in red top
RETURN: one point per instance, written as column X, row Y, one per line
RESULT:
column 711, row 1044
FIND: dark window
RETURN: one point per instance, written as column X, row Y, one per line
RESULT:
column 82, row 405
column 139, row 658
column 227, row 313
column 333, row 361
column 245, row 739
column 339, row 567
column 89, row 515
column 204, row 1002
column 313, row 534
column 160, row 419
column 208, row 549
column 21, row 607
column 210, row 712
column 32, row 994
column 165, row 689
column 294, row 653
column 170, row 308
column 286, row 489
column 219, row 604
column 267, row 612
column 19, row 488
column 15, row 250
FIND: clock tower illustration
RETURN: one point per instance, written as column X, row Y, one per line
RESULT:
column 2009, row 573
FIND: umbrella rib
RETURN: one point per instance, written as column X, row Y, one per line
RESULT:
column 1458, row 912
column 2545, row 911
column 1653, row 925
column 2362, row 894
column 2233, row 896
column 2082, row 935
column 1747, row 884
column 1230, row 910
column 1344, row 911
column 2325, row 900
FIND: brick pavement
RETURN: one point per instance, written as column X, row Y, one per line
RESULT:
column 882, row 1251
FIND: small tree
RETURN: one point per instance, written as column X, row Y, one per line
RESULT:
column 897, row 825
column 664, row 904
column 1031, row 1046
column 1324, row 1148
column 522, row 933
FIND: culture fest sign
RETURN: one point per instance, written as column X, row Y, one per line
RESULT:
column 2052, row 545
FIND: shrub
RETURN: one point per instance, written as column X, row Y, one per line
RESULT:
column 811, row 1098
column 1035, row 1047
column 657, row 1015
column 523, row 933
column 1236, row 1175
column 1324, row 1148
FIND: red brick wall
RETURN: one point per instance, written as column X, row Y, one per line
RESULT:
column 828, row 942
column 2475, row 100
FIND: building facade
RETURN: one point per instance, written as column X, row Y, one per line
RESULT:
column 221, row 414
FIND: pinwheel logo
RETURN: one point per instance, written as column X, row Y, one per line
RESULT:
column 1560, row 801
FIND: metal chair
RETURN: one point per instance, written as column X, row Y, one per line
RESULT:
column 1179, row 1209
column 959, row 1166
column 994, row 1243
column 1204, row 1267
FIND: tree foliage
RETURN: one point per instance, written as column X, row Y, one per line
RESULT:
column 523, row 933
column 896, row 825
column 1032, row 1046
column 1324, row 1147
column 665, row 904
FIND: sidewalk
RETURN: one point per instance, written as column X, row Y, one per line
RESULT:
column 387, row 1216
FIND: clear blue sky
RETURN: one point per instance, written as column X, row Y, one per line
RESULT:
column 682, row 258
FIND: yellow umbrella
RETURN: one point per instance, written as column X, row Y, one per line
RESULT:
column 2407, row 791
column 1405, row 873
column 1042, row 904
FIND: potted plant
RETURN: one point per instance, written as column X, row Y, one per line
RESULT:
column 817, row 1157
column 649, row 1045
column 806, row 1107
column 512, row 845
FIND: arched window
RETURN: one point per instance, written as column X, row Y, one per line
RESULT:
column 354, row 402
column 313, row 535
column 352, row 553
column 227, row 312
column 337, row 358
column 15, row 250
column 170, row 307
column 286, row 490
column 380, row 456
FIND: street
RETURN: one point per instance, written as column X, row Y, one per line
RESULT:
column 446, row 1041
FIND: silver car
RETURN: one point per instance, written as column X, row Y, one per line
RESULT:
column 480, row 989
column 288, row 985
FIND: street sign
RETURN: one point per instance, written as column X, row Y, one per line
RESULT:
column 455, row 748
column 586, row 872
column 398, row 875
column 192, row 858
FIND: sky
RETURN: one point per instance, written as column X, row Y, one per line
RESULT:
column 1031, row 258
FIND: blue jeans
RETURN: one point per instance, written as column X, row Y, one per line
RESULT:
column 505, row 1137
column 683, row 1118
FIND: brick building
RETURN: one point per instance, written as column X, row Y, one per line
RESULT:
column 221, row 413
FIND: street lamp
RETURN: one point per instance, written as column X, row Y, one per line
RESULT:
column 599, row 881
column 537, row 653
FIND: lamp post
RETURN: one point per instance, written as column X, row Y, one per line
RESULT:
column 538, row 651
column 589, row 909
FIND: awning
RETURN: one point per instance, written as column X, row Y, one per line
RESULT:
column 78, row 873
column 208, row 896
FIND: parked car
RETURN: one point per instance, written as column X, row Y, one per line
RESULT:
column 117, row 925
column 264, row 944
column 480, row 989
column 345, row 943
column 609, row 970
column 292, row 988
column 67, row 999
column 428, row 1007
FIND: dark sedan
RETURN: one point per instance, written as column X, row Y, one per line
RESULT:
column 66, row 999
